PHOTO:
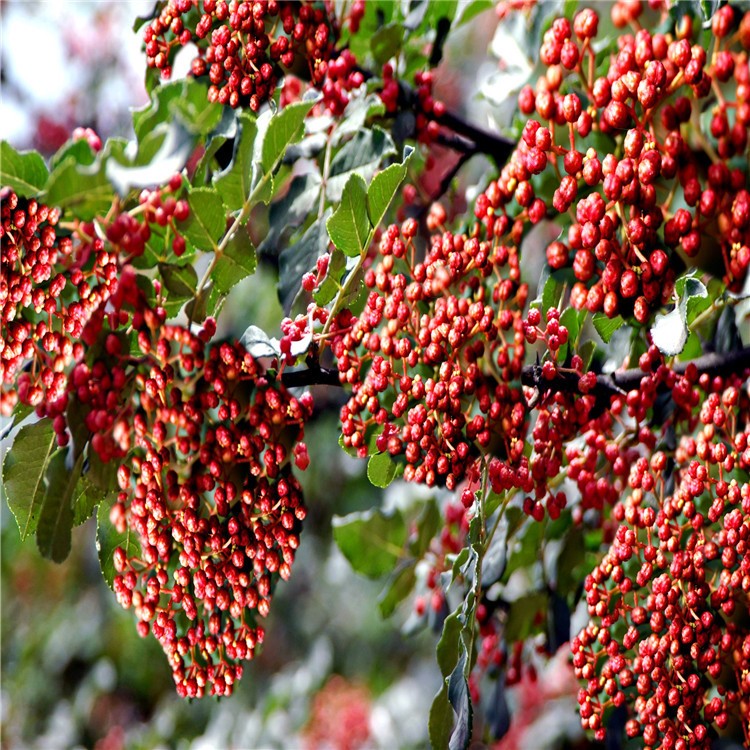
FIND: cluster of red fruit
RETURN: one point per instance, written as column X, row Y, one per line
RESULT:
column 432, row 358
column 666, row 602
column 205, row 436
column 624, row 238
column 209, row 493
column 58, row 292
column 242, row 45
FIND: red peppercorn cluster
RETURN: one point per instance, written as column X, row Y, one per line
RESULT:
column 661, row 189
column 242, row 46
column 432, row 358
column 62, row 295
column 31, row 286
column 665, row 637
column 209, row 493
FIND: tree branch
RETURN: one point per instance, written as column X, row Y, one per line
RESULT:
column 310, row 376
column 619, row 383
column 566, row 381
column 497, row 147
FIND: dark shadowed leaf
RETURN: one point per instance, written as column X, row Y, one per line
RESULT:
column 386, row 42
column 362, row 154
column 460, row 698
column 295, row 261
column 85, row 499
column 400, row 584
column 181, row 281
column 522, row 618
column 291, row 211
column 428, row 524
column 108, row 539
column 56, row 517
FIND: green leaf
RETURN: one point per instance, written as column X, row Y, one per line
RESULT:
column 386, row 42
column 400, row 585
column 23, row 473
column 284, row 129
column 553, row 290
column 362, row 154
column 448, row 645
column 79, row 150
column 235, row 263
column 605, row 326
column 381, row 469
column 157, row 111
column 469, row 10
column 234, row 183
column 441, row 720
column 108, row 539
column 56, row 518
column 85, row 499
column 84, row 189
column 349, row 227
column 207, row 221
column 192, row 108
column 23, row 171
column 571, row 319
column 197, row 309
column 372, row 541
column 180, row 280
column 384, row 186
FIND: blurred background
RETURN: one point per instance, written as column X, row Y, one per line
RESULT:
column 332, row 673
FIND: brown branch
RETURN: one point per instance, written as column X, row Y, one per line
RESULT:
column 566, row 381
column 310, row 376
column 619, row 383
column 497, row 147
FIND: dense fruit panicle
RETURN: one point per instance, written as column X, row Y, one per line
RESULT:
column 212, row 500
column 433, row 358
column 64, row 294
column 244, row 47
column 666, row 603
column 624, row 244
